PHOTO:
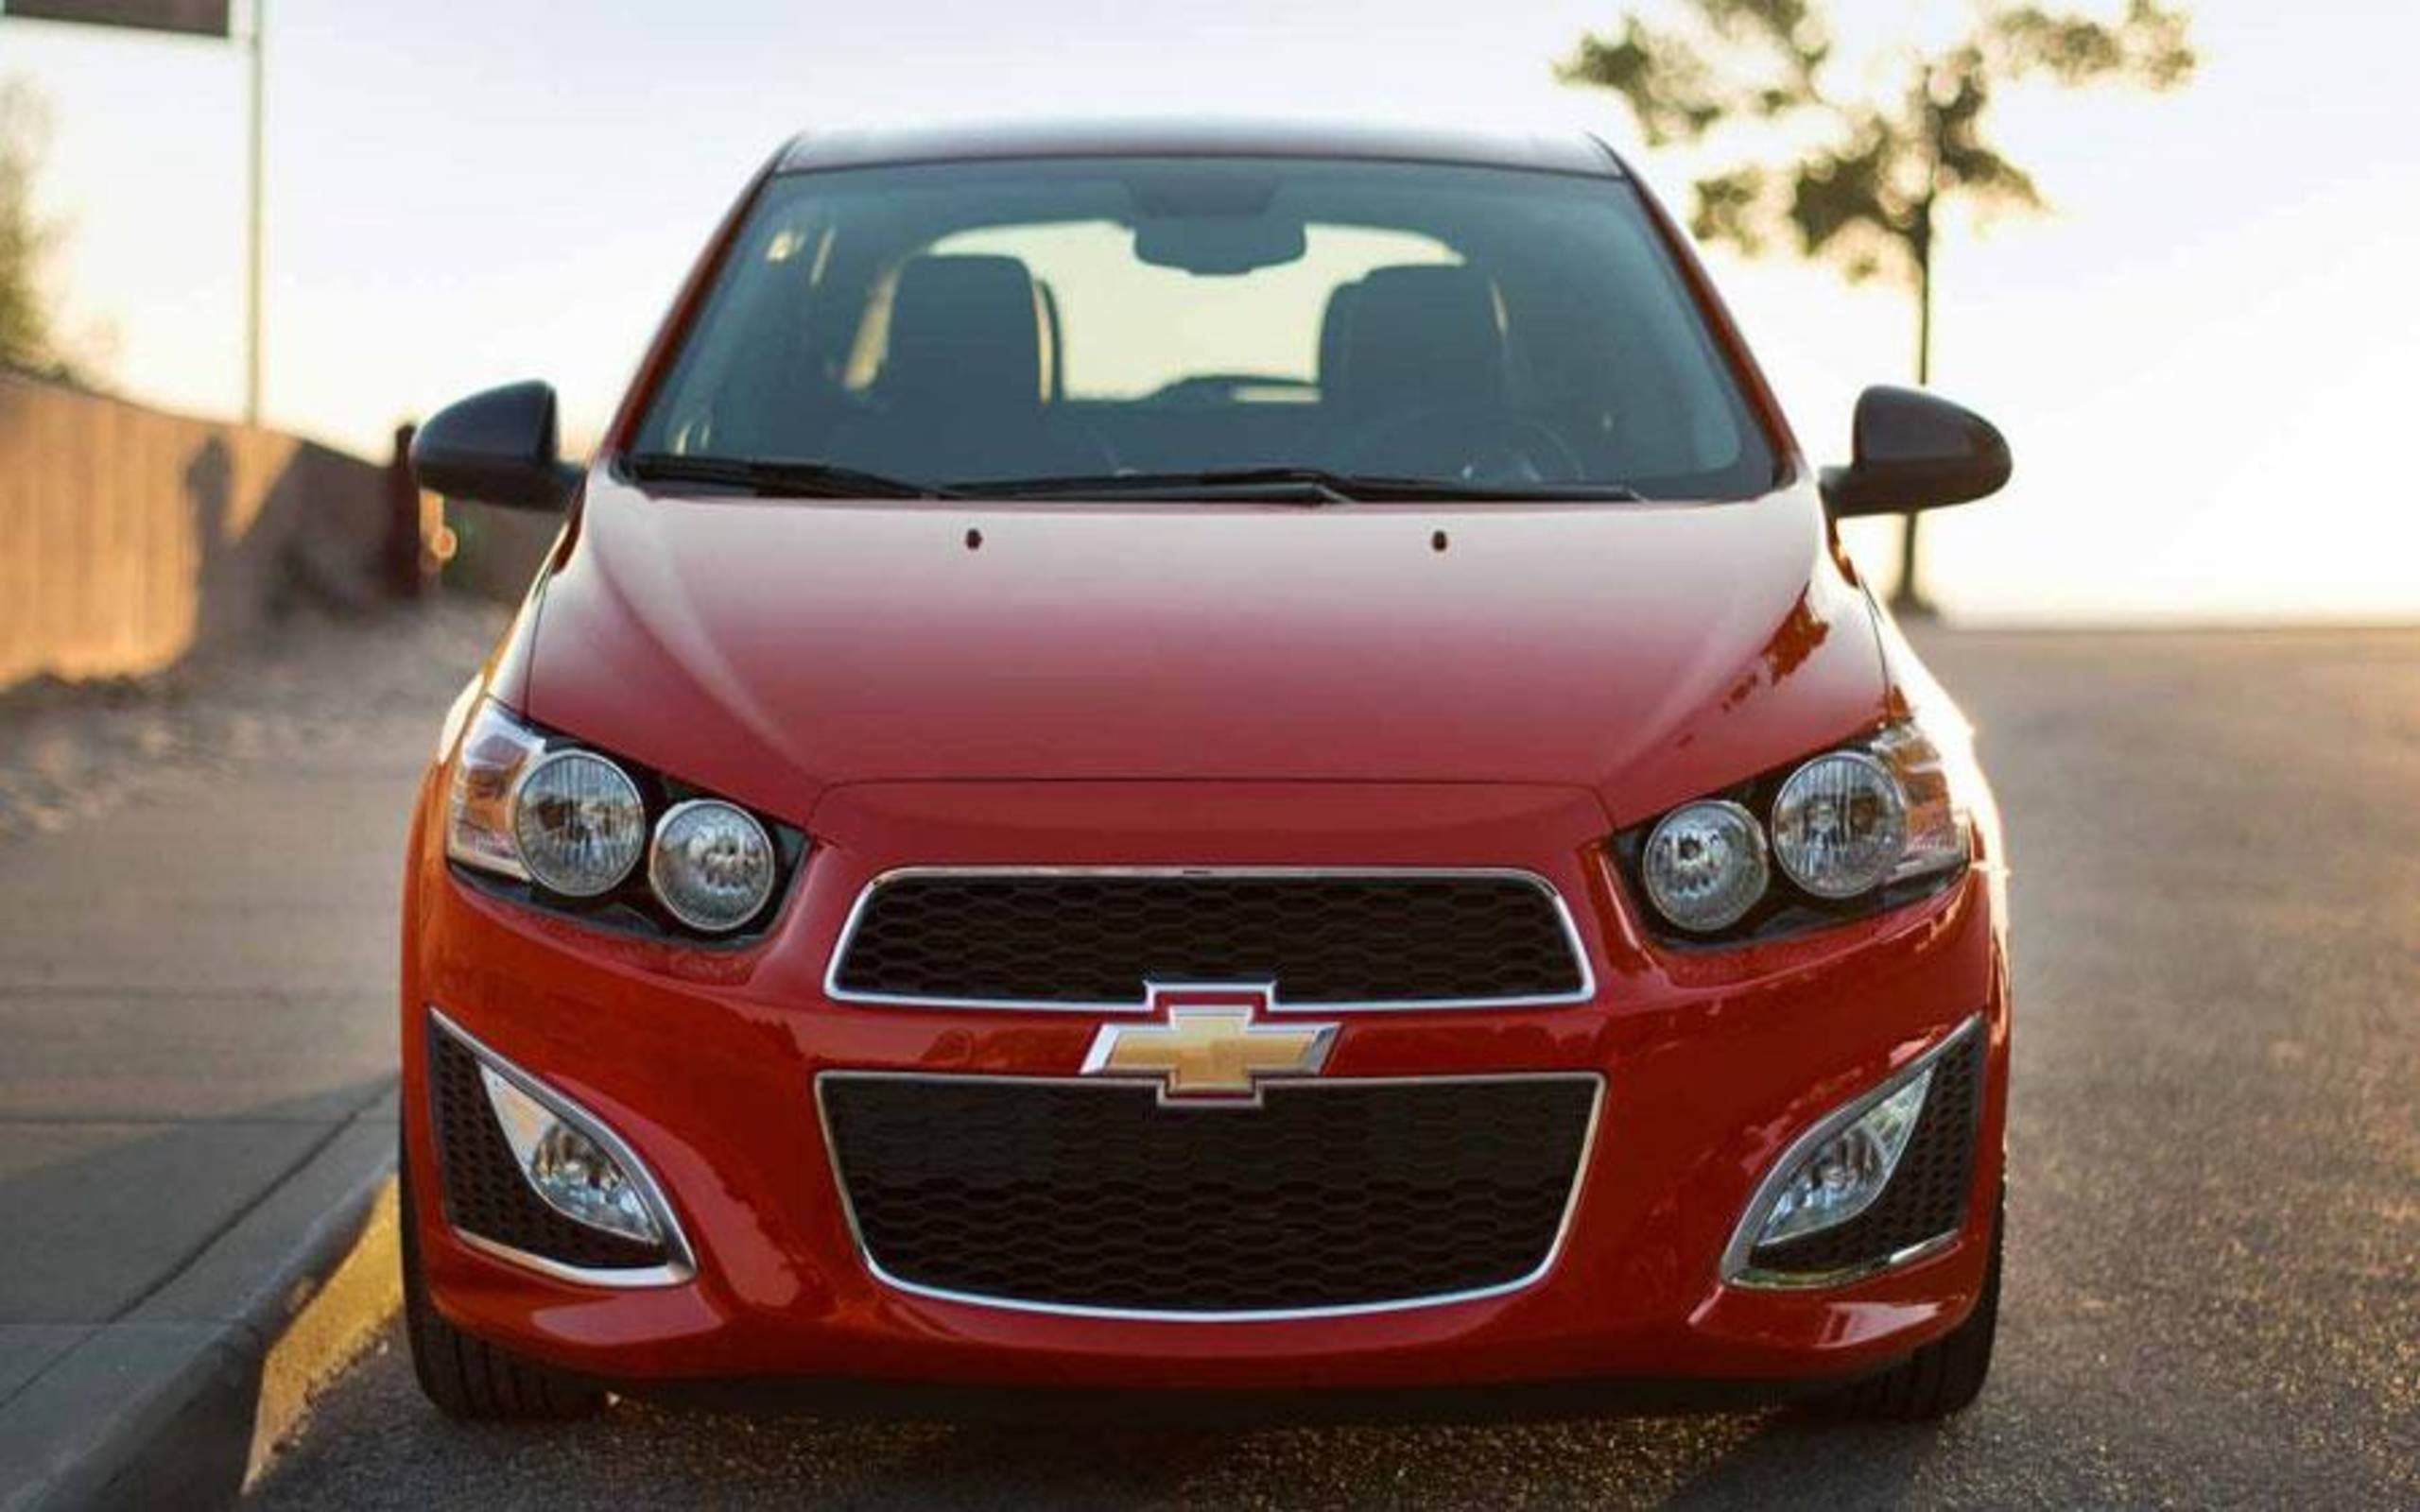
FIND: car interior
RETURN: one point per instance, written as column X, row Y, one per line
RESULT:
column 1108, row 324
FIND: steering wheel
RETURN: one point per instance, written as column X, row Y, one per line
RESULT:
column 1472, row 442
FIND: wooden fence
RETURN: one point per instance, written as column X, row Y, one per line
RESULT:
column 130, row 538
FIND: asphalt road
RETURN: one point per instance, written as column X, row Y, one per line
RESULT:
column 2214, row 1272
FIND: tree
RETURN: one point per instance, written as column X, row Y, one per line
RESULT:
column 26, row 341
column 1866, row 190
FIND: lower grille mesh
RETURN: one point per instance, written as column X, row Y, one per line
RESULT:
column 485, row 1193
column 1926, row 1196
column 1332, row 1195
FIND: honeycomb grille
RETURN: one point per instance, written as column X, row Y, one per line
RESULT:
column 1330, row 1195
column 1926, row 1196
column 485, row 1194
column 1097, row 938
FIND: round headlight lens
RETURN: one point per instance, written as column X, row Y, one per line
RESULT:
column 1705, row 865
column 712, row 867
column 1840, row 825
column 579, row 823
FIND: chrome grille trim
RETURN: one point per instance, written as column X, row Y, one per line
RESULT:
column 1141, row 1004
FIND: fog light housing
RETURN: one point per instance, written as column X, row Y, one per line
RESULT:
column 569, row 1169
column 1845, row 1172
column 1882, row 1180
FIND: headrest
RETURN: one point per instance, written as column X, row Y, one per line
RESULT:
column 1335, row 326
column 966, row 330
column 1422, row 335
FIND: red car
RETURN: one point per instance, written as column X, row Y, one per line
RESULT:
column 1211, row 771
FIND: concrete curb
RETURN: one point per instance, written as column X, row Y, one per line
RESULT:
column 180, row 1402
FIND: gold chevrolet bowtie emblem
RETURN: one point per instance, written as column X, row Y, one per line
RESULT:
column 1210, row 1044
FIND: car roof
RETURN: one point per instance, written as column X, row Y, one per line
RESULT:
column 855, row 147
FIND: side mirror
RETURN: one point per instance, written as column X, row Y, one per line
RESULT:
column 1913, row 451
column 497, row 447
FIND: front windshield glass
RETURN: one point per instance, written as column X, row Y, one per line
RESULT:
column 1002, row 321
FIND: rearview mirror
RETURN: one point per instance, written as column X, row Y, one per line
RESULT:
column 1220, row 245
column 497, row 447
column 1914, row 451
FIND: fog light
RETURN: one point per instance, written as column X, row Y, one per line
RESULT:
column 1844, row 1173
column 571, row 1172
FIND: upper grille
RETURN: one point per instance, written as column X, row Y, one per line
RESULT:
column 1927, row 1194
column 1335, row 1195
column 1095, row 938
column 486, row 1195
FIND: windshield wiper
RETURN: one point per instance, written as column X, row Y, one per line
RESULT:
column 1278, row 485
column 779, row 475
column 1307, row 484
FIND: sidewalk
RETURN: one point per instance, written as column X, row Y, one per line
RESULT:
column 196, row 1024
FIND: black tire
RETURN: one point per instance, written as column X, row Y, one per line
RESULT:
column 469, row 1379
column 1944, row 1376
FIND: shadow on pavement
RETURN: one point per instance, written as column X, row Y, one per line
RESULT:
column 376, row 1443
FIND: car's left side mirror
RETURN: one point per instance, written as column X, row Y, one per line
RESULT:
column 1913, row 451
column 496, row 447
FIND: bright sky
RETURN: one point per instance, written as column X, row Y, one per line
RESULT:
column 2204, row 360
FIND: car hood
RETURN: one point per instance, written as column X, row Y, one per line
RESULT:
column 771, row 649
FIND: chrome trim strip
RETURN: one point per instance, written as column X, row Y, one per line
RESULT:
column 1580, row 1168
column 1583, row 992
column 682, row 1264
column 1735, row 1269
column 1799, row 1281
column 629, row 1280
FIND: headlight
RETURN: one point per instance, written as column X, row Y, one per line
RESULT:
column 579, row 821
column 1937, row 825
column 1839, row 824
column 1705, row 866
column 574, row 822
column 1869, row 826
column 712, row 866
column 487, row 767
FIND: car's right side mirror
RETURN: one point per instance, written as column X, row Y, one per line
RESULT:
column 1914, row 451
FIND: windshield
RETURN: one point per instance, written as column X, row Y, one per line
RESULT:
column 998, row 322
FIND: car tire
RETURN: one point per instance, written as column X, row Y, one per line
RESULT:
column 1944, row 1376
column 468, row 1379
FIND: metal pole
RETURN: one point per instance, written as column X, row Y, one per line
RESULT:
column 253, row 248
column 1908, row 597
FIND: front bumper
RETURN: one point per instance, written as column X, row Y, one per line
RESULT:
column 705, row 1062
